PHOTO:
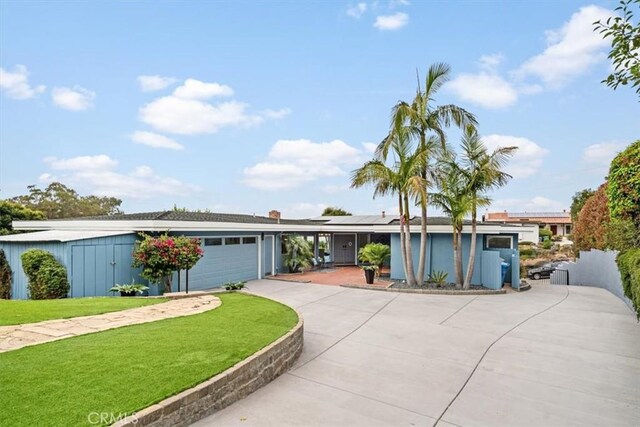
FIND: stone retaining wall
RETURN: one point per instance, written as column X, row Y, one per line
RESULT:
column 225, row 388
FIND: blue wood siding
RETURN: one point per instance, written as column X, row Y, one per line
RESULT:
column 93, row 265
column 13, row 250
column 439, row 255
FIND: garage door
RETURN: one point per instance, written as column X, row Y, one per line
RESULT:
column 226, row 259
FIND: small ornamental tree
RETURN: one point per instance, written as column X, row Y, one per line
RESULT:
column 590, row 229
column 5, row 277
column 160, row 256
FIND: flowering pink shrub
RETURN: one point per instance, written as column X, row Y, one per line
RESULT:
column 160, row 256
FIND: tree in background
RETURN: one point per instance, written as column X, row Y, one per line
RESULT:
column 590, row 229
column 577, row 202
column 335, row 211
column 623, row 188
column 10, row 211
column 59, row 201
column 625, row 46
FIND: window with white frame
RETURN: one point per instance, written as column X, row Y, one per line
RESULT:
column 499, row 242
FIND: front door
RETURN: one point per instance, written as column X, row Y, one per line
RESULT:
column 554, row 230
column 344, row 249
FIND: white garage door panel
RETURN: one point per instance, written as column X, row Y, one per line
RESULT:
column 225, row 263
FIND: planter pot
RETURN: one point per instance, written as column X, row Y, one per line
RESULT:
column 127, row 294
column 369, row 275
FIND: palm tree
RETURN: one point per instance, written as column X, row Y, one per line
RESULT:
column 403, row 178
column 420, row 119
column 453, row 199
column 482, row 171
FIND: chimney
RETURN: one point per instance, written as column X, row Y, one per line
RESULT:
column 274, row 214
column 383, row 214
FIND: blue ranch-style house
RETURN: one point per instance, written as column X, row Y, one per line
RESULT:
column 97, row 251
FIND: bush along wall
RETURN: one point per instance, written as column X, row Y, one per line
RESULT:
column 629, row 266
column 5, row 277
column 46, row 277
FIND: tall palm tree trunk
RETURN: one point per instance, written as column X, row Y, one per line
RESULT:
column 423, row 244
column 455, row 255
column 459, row 276
column 472, row 249
column 403, row 244
column 411, row 275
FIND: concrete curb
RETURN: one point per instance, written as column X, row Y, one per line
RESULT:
column 430, row 291
column 227, row 387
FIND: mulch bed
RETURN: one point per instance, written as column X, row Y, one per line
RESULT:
column 428, row 288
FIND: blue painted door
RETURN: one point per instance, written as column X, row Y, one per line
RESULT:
column 227, row 259
column 96, row 268
column 92, row 270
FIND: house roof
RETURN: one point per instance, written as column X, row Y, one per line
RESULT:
column 356, row 219
column 60, row 235
column 539, row 217
column 191, row 216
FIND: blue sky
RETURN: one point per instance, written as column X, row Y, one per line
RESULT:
column 252, row 106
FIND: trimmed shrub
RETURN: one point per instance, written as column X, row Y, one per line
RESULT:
column 47, row 278
column 545, row 233
column 623, row 191
column 629, row 266
column 527, row 252
column 547, row 244
column 5, row 277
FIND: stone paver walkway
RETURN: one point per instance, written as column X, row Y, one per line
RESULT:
column 17, row 336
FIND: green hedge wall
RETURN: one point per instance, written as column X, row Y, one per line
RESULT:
column 629, row 266
column 47, row 278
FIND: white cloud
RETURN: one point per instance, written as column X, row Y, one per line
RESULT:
column 99, row 162
column 73, row 99
column 527, row 159
column 303, row 210
column 16, row 84
column 571, row 50
column 155, row 82
column 484, row 89
column 357, row 10
column 291, row 163
column 391, row 22
column 276, row 114
column 98, row 175
column 155, row 140
column 369, row 147
column 196, row 89
column 186, row 111
column 191, row 117
column 534, row 204
column 491, row 62
column 602, row 154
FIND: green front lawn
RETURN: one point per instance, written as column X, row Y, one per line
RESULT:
column 16, row 312
column 124, row 370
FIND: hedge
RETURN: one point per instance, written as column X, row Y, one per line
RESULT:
column 47, row 278
column 5, row 277
column 629, row 266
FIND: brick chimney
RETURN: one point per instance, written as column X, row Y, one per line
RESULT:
column 383, row 214
column 274, row 214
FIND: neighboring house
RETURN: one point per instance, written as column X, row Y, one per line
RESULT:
column 97, row 250
column 559, row 223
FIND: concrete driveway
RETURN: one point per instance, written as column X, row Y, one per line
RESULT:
column 551, row 356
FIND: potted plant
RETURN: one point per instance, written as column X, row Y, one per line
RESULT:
column 375, row 254
column 369, row 273
column 130, row 290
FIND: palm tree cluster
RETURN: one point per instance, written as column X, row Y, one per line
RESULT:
column 415, row 157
